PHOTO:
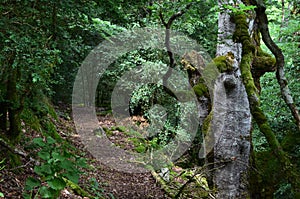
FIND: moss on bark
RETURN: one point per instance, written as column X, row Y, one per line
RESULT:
column 201, row 89
column 241, row 35
column 224, row 63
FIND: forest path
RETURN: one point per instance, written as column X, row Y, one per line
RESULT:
column 100, row 180
column 122, row 184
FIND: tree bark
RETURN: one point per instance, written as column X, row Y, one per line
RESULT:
column 3, row 116
column 14, row 106
column 231, row 119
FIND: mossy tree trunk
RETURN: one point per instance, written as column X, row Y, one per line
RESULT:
column 249, row 53
column 230, row 123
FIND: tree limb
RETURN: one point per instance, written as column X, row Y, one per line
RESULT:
column 280, row 74
column 167, row 40
column 253, row 96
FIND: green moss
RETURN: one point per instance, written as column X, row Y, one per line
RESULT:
column 31, row 119
column 247, row 75
column 49, row 128
column 50, row 108
column 223, row 64
column 200, row 90
column 256, row 112
column 207, row 123
column 241, row 34
column 261, row 53
column 264, row 63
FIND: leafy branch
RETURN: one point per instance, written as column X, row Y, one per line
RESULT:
column 238, row 8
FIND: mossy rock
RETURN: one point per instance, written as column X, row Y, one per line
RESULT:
column 184, row 95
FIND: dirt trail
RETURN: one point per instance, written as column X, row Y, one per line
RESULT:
column 127, row 185
column 111, row 182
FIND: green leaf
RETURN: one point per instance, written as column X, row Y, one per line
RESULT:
column 73, row 176
column 46, row 192
column 81, row 162
column 31, row 183
column 39, row 141
column 43, row 170
column 1, row 194
column 44, row 155
column 50, row 140
column 67, row 164
column 57, row 184
column 58, row 156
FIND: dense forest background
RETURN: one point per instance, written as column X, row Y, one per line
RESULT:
column 43, row 44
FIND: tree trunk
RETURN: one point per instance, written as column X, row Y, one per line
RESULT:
column 248, row 54
column 3, row 116
column 231, row 120
column 14, row 106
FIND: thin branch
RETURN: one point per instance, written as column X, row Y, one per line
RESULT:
column 167, row 41
column 162, row 18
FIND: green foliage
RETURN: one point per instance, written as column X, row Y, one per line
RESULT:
column 284, row 192
column 238, row 9
column 57, row 163
column 95, row 188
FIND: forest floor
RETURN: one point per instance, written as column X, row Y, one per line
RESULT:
column 107, row 182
